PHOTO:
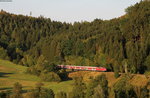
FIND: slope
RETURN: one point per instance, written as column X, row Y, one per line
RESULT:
column 11, row 73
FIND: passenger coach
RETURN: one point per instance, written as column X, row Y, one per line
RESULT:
column 89, row 68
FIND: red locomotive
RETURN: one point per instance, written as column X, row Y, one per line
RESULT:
column 89, row 68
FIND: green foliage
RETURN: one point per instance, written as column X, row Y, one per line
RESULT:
column 142, row 92
column 41, row 63
column 48, row 93
column 104, row 85
column 147, row 63
column 123, row 89
column 100, row 59
column 42, row 66
column 34, row 41
column 78, row 60
column 40, row 92
column 50, row 77
column 3, row 54
column 27, row 61
column 67, row 47
column 145, row 92
column 51, row 67
column 33, row 70
column 98, row 87
column 80, row 48
column 98, row 92
column 39, row 86
column 78, row 89
column 2, row 95
column 5, row 94
column 17, row 91
column 61, row 95
column 116, row 71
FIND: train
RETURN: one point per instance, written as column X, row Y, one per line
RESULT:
column 86, row 68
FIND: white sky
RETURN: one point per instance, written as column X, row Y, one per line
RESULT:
column 69, row 10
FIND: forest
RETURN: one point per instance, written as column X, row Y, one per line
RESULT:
column 114, row 44
column 122, row 45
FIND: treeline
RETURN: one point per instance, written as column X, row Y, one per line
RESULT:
column 121, row 44
column 96, row 88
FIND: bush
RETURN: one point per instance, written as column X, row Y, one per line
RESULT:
column 51, row 67
column 64, row 76
column 116, row 74
column 48, row 93
column 50, row 77
column 3, row 54
column 5, row 94
column 40, row 92
column 123, row 89
column 28, row 61
column 33, row 70
column 61, row 95
column 17, row 91
column 116, row 70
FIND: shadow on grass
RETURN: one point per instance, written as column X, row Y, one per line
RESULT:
column 64, row 76
column 11, row 88
column 6, row 88
column 4, row 74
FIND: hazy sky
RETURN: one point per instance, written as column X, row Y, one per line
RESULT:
column 69, row 10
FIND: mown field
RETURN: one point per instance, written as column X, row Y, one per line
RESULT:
column 11, row 73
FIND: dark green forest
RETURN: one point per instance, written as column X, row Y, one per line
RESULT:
column 120, row 44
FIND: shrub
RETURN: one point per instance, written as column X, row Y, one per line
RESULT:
column 123, row 89
column 3, row 54
column 116, row 74
column 50, row 77
column 33, row 70
column 17, row 91
column 40, row 92
column 116, row 71
column 5, row 94
column 48, row 93
column 61, row 95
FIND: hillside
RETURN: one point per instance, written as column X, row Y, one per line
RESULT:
column 11, row 73
column 135, row 79
column 117, row 44
column 32, row 47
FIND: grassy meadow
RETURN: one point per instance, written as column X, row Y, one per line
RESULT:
column 11, row 73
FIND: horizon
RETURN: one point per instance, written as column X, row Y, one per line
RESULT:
column 69, row 11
